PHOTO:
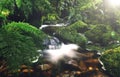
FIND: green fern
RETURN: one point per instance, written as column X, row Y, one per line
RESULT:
column 18, row 44
column 27, row 30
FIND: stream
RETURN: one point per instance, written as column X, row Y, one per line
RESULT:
column 65, row 60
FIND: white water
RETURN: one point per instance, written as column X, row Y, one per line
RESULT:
column 58, row 25
column 68, row 50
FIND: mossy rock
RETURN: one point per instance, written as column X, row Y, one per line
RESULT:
column 111, row 60
column 79, row 26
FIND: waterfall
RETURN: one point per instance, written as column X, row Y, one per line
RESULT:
column 69, row 50
column 58, row 25
column 52, row 43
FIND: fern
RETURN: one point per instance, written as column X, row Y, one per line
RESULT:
column 18, row 44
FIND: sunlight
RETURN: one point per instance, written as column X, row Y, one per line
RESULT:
column 114, row 2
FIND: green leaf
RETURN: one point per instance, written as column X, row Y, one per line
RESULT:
column 18, row 2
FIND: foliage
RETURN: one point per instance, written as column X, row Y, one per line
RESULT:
column 2, row 19
column 111, row 60
column 50, row 19
column 7, row 4
column 100, row 34
column 117, row 26
column 12, row 5
column 27, row 30
column 18, row 45
column 16, row 49
column 24, row 10
column 79, row 26
column 72, row 36
column 3, row 16
column 95, row 48
column 94, row 16
column 72, row 9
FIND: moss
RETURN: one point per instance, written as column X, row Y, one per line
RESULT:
column 72, row 36
column 111, row 60
column 100, row 34
column 79, row 26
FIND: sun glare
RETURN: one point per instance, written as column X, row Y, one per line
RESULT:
column 114, row 2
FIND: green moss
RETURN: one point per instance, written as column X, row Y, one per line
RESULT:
column 111, row 60
column 100, row 34
column 73, row 36
column 79, row 26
